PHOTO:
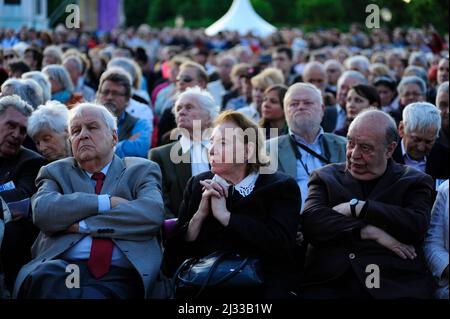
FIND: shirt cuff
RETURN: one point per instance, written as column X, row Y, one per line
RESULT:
column 104, row 203
column 82, row 227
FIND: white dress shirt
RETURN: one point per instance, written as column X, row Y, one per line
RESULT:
column 198, row 152
column 82, row 249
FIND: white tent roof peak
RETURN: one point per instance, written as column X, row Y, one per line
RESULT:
column 241, row 17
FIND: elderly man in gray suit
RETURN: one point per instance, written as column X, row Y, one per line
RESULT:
column 306, row 147
column 99, row 217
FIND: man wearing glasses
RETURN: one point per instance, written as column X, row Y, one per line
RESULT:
column 114, row 92
column 191, row 74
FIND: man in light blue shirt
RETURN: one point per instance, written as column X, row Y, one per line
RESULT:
column 114, row 92
column 306, row 147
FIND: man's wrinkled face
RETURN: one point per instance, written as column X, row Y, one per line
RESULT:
column 418, row 144
column 13, row 130
column 113, row 96
column 303, row 109
column 367, row 154
column 91, row 139
column 411, row 93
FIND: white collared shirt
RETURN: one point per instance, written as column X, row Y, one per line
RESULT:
column 420, row 165
column 198, row 153
column 244, row 187
column 82, row 249
column 341, row 117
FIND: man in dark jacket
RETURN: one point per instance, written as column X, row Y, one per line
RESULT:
column 419, row 131
column 18, row 169
column 366, row 220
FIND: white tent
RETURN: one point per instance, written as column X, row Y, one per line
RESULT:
column 241, row 17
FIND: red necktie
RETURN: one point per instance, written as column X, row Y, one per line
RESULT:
column 101, row 248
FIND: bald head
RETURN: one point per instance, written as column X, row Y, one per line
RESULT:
column 372, row 138
column 316, row 74
column 380, row 122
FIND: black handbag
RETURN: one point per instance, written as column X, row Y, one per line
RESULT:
column 219, row 270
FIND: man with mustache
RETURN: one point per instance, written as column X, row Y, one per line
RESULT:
column 18, row 169
column 306, row 147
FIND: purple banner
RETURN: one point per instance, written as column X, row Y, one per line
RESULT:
column 108, row 14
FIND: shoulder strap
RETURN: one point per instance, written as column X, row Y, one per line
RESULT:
column 294, row 144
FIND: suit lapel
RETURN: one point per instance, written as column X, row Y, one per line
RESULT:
column 80, row 180
column 113, row 175
column 286, row 157
column 183, row 169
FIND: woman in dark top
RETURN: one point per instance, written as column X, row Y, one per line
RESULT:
column 235, row 207
column 272, row 111
column 360, row 97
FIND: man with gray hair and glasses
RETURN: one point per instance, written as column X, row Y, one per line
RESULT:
column 419, row 130
column 18, row 169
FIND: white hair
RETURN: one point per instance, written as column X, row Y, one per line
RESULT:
column 412, row 80
column 42, row 79
column 54, row 51
column 421, row 116
column 362, row 61
column 52, row 115
column 15, row 102
column 418, row 57
column 204, row 98
column 28, row 90
column 108, row 118
column 354, row 75
column 131, row 67
column 77, row 60
column 59, row 74
column 414, row 70
column 297, row 86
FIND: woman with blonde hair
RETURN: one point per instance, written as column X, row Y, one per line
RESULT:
column 236, row 208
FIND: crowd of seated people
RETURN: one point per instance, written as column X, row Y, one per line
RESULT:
column 317, row 154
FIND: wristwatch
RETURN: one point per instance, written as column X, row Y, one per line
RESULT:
column 353, row 204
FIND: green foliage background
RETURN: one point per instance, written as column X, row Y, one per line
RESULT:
column 307, row 14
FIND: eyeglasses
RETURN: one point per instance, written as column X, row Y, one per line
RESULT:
column 113, row 93
column 185, row 79
column 9, row 56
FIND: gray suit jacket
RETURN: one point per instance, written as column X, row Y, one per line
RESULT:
column 281, row 151
column 66, row 196
column 174, row 175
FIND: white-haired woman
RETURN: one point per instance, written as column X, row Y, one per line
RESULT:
column 42, row 80
column 47, row 126
column 61, row 85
